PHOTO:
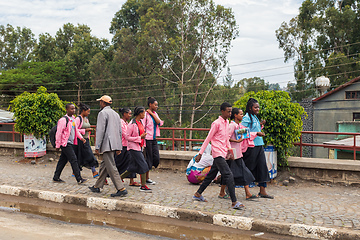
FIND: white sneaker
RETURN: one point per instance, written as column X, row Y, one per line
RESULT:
column 151, row 182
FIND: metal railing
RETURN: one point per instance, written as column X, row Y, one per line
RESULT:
column 353, row 147
column 12, row 132
column 173, row 139
column 185, row 140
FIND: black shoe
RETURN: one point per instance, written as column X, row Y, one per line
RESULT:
column 119, row 193
column 94, row 189
column 58, row 180
column 82, row 181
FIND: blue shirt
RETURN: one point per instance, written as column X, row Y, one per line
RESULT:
column 254, row 127
column 155, row 126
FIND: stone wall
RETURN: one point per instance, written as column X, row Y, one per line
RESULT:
column 326, row 170
column 307, row 125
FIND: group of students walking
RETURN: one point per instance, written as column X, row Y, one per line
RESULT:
column 120, row 143
column 250, row 163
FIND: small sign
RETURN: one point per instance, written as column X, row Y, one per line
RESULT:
column 34, row 147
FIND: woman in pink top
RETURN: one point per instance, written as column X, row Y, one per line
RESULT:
column 242, row 175
column 152, row 122
column 135, row 136
column 84, row 153
column 124, row 158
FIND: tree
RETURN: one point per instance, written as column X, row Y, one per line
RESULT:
column 283, row 119
column 36, row 113
column 274, row 86
column 76, row 47
column 29, row 75
column 253, row 84
column 16, row 46
column 323, row 40
column 182, row 46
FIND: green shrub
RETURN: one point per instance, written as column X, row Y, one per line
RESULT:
column 36, row 113
column 283, row 119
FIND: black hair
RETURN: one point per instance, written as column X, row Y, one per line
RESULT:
column 234, row 112
column 224, row 106
column 248, row 110
column 138, row 110
column 151, row 100
column 68, row 105
column 124, row 110
column 83, row 107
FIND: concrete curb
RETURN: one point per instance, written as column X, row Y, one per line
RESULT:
column 237, row 222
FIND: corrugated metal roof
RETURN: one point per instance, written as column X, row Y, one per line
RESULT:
column 6, row 116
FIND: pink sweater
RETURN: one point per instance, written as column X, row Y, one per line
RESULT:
column 149, row 126
column 79, row 125
column 219, row 138
column 63, row 132
column 124, row 126
column 132, row 136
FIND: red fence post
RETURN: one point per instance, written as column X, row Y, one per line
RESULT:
column 173, row 139
column 184, row 139
column 13, row 132
column 301, row 147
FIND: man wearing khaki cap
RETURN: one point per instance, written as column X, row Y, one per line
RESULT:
column 108, row 141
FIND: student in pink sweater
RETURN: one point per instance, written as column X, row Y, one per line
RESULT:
column 152, row 122
column 66, row 137
column 219, row 138
column 242, row 175
column 135, row 136
column 124, row 158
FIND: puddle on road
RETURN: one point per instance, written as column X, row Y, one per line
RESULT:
column 131, row 222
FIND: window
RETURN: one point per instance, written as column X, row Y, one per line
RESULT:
column 356, row 116
column 352, row 95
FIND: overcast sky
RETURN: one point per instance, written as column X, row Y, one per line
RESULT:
column 257, row 20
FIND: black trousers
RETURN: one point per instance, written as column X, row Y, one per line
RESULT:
column 227, row 177
column 152, row 153
column 67, row 155
column 255, row 161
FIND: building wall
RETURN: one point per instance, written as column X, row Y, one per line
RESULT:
column 329, row 111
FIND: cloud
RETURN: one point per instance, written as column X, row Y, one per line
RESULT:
column 50, row 15
column 258, row 21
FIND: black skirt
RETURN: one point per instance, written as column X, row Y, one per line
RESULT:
column 255, row 161
column 152, row 153
column 85, row 155
column 242, row 175
column 122, row 162
column 137, row 163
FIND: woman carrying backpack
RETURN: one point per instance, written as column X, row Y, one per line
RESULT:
column 83, row 151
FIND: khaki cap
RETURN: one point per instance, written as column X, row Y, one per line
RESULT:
column 105, row 98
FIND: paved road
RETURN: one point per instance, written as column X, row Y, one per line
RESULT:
column 304, row 202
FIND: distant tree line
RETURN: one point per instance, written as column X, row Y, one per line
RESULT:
column 173, row 50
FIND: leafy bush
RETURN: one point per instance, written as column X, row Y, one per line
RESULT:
column 36, row 113
column 283, row 119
